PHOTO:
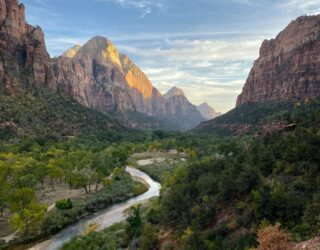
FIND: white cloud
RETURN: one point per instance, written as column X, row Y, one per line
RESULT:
column 201, row 51
column 145, row 6
column 302, row 6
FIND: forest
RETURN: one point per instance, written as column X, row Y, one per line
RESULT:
column 226, row 194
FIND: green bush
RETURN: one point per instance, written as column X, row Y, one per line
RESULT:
column 64, row 204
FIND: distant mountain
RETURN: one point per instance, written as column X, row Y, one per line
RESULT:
column 174, row 91
column 285, row 75
column 207, row 111
column 180, row 111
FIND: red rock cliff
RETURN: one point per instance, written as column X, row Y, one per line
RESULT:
column 288, row 66
column 23, row 55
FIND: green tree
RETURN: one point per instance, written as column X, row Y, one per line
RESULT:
column 149, row 238
column 27, row 213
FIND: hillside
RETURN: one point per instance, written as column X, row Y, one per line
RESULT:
column 40, row 113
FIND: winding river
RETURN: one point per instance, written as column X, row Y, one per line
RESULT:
column 104, row 218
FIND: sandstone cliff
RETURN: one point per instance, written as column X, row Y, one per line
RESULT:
column 23, row 55
column 288, row 66
column 92, row 75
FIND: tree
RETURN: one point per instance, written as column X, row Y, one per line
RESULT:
column 135, row 221
column 149, row 238
column 29, row 219
column 312, row 214
column 27, row 213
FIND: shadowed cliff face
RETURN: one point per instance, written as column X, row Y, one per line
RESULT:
column 288, row 66
column 23, row 55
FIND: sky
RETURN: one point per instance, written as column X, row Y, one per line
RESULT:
column 205, row 47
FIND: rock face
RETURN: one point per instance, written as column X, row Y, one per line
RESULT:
column 95, row 74
column 92, row 75
column 178, row 104
column 23, row 55
column 180, row 110
column 147, row 98
column 207, row 111
column 288, row 66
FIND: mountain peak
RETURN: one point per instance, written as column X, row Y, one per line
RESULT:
column 204, row 104
column 101, row 47
column 174, row 91
column 207, row 111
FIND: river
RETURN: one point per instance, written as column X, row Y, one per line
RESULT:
column 104, row 218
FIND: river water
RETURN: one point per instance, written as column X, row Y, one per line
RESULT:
column 104, row 218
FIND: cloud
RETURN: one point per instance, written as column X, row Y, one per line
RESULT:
column 302, row 6
column 207, row 70
column 200, row 51
column 145, row 12
column 145, row 6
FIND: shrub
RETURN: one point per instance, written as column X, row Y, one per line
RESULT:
column 64, row 204
column 149, row 239
column 168, row 246
column 272, row 238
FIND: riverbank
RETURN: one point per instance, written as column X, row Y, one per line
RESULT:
column 103, row 218
column 122, row 188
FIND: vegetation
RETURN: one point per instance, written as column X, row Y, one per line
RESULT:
column 32, row 165
column 37, row 112
column 64, row 204
column 133, row 233
column 228, row 192
column 236, row 183
column 158, row 165
column 272, row 238
column 122, row 188
column 256, row 115
column 109, row 239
